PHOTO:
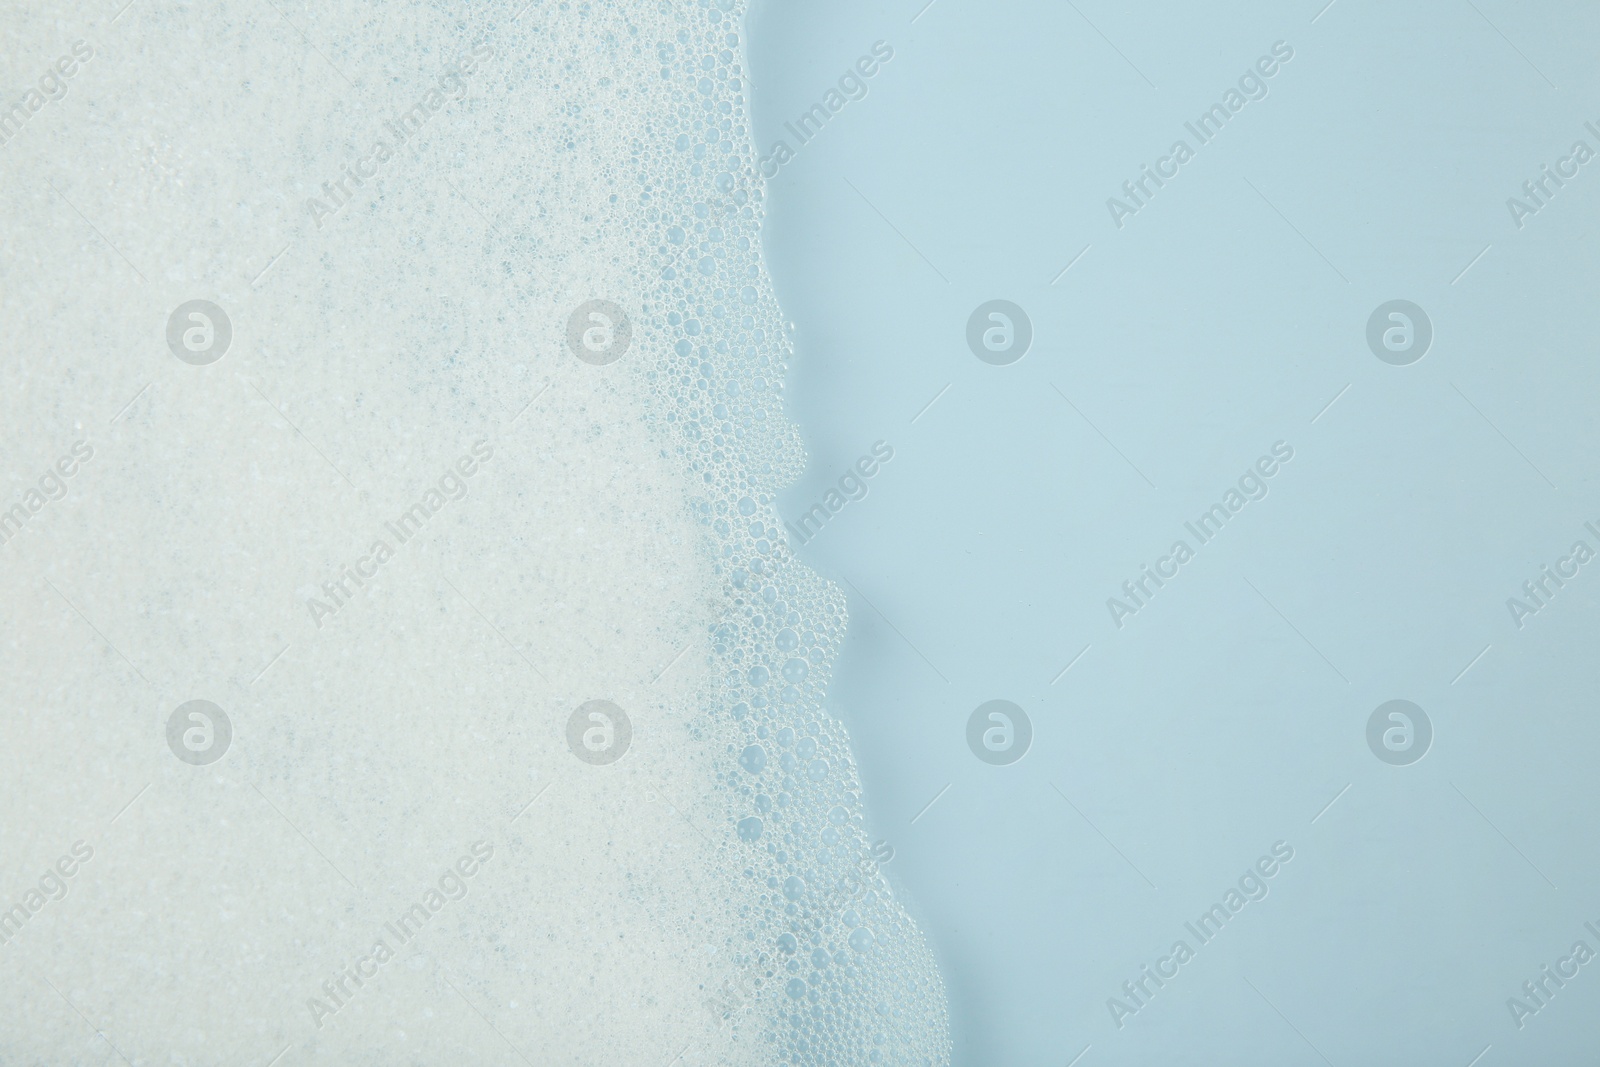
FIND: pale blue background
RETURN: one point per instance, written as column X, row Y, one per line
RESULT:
column 1194, row 338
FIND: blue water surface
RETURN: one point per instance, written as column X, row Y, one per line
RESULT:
column 1344, row 356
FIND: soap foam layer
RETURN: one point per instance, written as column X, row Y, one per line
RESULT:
column 713, row 893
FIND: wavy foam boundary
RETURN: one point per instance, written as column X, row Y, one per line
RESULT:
column 832, row 966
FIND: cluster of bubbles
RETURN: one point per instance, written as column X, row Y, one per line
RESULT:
column 830, row 965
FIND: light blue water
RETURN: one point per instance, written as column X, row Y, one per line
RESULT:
column 1208, row 335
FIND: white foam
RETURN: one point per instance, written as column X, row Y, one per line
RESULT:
column 607, row 549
